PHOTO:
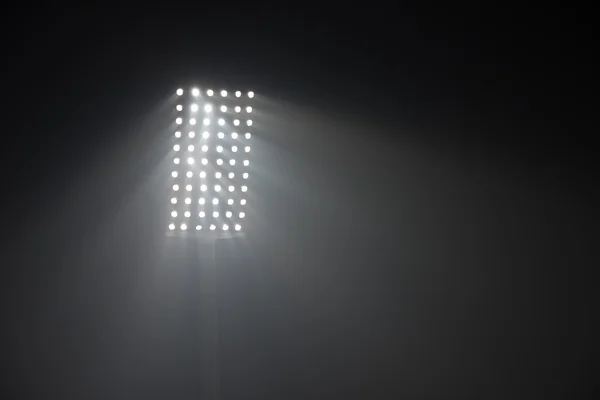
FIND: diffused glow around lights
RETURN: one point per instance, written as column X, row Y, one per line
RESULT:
column 223, row 93
column 187, row 214
column 189, row 174
column 208, row 108
column 215, row 201
column 230, row 202
column 173, row 214
column 246, row 163
column 204, row 148
column 249, row 122
column 195, row 92
column 245, row 175
column 180, row 92
column 188, row 188
column 247, row 149
column 194, row 107
column 231, row 162
column 243, row 202
column 218, row 175
column 248, row 109
column 202, row 174
column 227, row 214
column 192, row 135
column 231, row 175
column 183, row 227
column 188, row 200
column 172, row 226
column 236, row 122
column 192, row 121
column 178, row 134
column 242, row 215
column 212, row 227
column 225, row 227
column 251, row 94
column 191, row 147
column 238, row 109
column 234, row 135
column 176, row 147
column 217, row 189
column 209, row 92
column 223, row 108
column 203, row 188
column 231, row 188
column 204, row 161
column 219, row 161
column 176, row 160
column 234, row 149
column 215, row 214
column 248, row 135
column 174, row 174
column 202, row 200
column 219, row 148
column 178, row 121
column 173, row 200
column 244, row 188
column 202, row 214
column 198, row 227
column 206, row 121
column 175, row 187
column 238, row 227
column 220, row 135
column 205, row 135
column 221, row 121
column 237, row 94
column 179, row 107
column 190, row 160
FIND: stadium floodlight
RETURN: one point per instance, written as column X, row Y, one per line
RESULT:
column 209, row 183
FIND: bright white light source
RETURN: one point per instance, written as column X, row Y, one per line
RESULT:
column 248, row 135
column 234, row 149
column 188, row 188
column 206, row 121
column 215, row 201
column 244, row 188
column 178, row 134
column 243, row 202
column 223, row 93
column 195, row 92
column 228, row 214
column 172, row 226
column 173, row 200
column 231, row 162
column 251, row 94
column 221, row 121
column 217, row 188
column 189, row 174
column 192, row 121
column 248, row 109
column 202, row 174
column 180, row 92
column 223, row 108
column 176, row 147
column 212, row 227
column 192, row 134
column 219, row 149
column 202, row 214
column 175, row 187
column 218, row 175
column 201, row 200
column 198, row 227
column 208, row 108
column 194, row 107
column 236, row 122
column 191, row 147
column 231, row 188
column 245, row 175
column 246, row 163
column 231, row 175
column 238, row 227
column 173, row 214
column 174, row 174
column 225, row 227
column 183, row 227
column 179, row 107
column 230, row 202
column 187, row 214
column 188, row 200
column 220, row 135
column 190, row 160
column 242, row 215
column 234, row 135
column 205, row 135
column 203, row 188
column 176, row 160
column 249, row 122
column 238, row 93
column 215, row 214
column 204, row 161
column 178, row 121
column 219, row 161
column 209, row 92
column 247, row 149
column 238, row 109
column 204, row 148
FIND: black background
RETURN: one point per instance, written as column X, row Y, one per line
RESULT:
column 422, row 223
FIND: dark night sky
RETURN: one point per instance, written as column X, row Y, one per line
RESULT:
column 422, row 225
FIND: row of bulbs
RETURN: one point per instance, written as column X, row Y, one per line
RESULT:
column 206, row 122
column 204, row 161
column 218, row 175
column 212, row 227
column 210, row 93
column 208, row 108
column 204, row 148
column 190, row 174
column 204, row 188
column 202, row 201
column 202, row 214
column 220, row 135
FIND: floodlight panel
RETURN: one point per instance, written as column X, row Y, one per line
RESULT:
column 211, row 168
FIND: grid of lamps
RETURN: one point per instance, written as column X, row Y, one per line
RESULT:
column 211, row 160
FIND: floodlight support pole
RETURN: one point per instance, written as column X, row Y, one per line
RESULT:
column 209, row 320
